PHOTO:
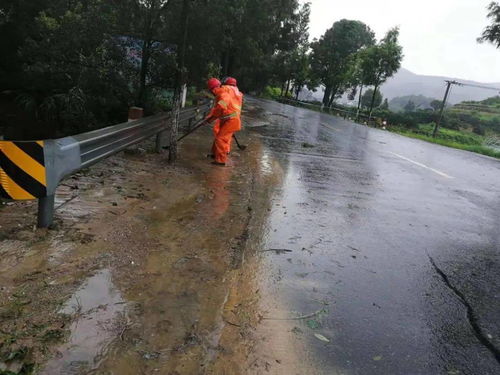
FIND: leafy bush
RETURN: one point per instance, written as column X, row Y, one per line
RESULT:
column 271, row 92
column 402, row 120
column 478, row 129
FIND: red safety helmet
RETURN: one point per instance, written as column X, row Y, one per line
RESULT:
column 230, row 81
column 213, row 83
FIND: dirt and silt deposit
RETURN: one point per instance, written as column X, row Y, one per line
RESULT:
column 150, row 268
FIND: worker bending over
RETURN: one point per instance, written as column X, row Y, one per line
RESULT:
column 233, row 84
column 227, row 111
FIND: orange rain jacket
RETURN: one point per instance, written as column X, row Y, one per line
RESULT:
column 227, row 112
column 239, row 95
column 227, row 108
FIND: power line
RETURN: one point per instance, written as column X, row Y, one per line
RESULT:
column 473, row 85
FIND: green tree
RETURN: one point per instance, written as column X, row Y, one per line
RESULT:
column 385, row 104
column 247, row 40
column 301, row 68
column 492, row 32
column 478, row 129
column 367, row 98
column 80, row 64
column 410, row 106
column 76, row 68
column 381, row 61
column 16, row 25
column 355, row 78
column 71, row 66
column 147, row 19
column 291, row 62
column 302, row 74
column 436, row 105
column 332, row 55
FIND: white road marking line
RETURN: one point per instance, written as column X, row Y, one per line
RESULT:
column 422, row 165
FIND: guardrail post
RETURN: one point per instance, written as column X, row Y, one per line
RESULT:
column 159, row 142
column 46, row 211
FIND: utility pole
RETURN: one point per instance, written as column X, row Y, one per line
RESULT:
column 179, row 81
column 443, row 104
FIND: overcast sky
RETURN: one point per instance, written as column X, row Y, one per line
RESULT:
column 438, row 36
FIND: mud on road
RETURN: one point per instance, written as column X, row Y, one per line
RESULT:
column 142, row 273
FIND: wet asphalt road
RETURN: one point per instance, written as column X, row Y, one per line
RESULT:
column 395, row 239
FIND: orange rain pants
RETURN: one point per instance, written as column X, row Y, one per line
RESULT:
column 216, row 130
column 224, row 137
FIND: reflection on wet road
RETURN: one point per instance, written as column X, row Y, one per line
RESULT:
column 363, row 214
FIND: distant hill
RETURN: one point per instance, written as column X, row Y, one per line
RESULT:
column 406, row 83
column 421, row 102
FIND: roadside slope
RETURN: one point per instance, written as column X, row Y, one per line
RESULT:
column 139, row 269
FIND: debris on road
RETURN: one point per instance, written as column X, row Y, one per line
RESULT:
column 316, row 313
column 321, row 337
column 278, row 251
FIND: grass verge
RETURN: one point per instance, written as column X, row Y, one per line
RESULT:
column 444, row 142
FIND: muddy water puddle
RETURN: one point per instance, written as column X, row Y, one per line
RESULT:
column 99, row 312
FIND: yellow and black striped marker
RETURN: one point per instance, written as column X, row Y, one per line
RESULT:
column 22, row 170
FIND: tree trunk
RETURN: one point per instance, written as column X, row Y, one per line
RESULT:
column 332, row 97
column 326, row 96
column 148, row 31
column 297, row 92
column 179, row 81
column 287, row 88
column 283, row 88
column 359, row 102
column 141, row 95
column 373, row 101
column 330, row 101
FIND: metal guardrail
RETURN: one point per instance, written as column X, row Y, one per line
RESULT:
column 34, row 169
column 332, row 110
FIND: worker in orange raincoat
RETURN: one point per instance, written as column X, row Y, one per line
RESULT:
column 212, row 85
column 227, row 110
column 233, row 84
column 229, row 81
